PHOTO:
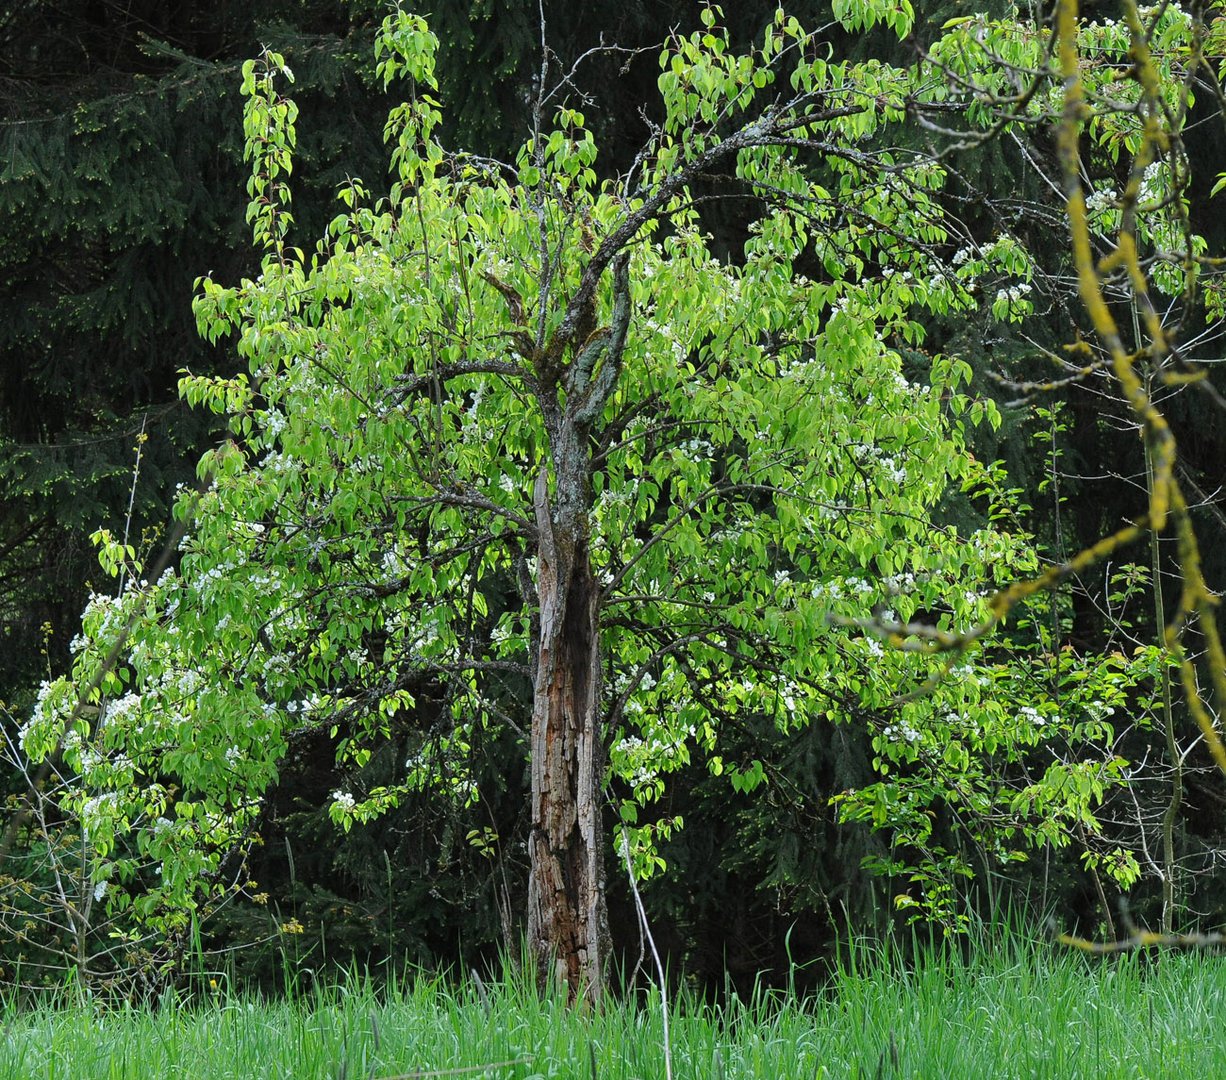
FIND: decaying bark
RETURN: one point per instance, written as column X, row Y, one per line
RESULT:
column 567, row 922
column 567, row 918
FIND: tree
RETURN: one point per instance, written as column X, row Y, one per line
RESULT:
column 515, row 434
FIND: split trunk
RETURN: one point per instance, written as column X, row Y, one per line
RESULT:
column 567, row 918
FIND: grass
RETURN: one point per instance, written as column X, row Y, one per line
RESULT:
column 1021, row 1011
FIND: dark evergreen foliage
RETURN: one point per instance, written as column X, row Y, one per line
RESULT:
column 120, row 182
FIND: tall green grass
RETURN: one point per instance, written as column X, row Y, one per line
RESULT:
column 1011, row 1011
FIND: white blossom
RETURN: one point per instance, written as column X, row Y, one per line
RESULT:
column 1031, row 714
column 1013, row 293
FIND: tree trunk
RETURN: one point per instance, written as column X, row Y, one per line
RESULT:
column 567, row 918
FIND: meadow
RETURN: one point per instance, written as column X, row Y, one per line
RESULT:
column 1024, row 1010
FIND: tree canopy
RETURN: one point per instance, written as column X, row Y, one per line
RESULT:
column 517, row 447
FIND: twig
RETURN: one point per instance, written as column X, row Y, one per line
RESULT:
column 655, row 955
